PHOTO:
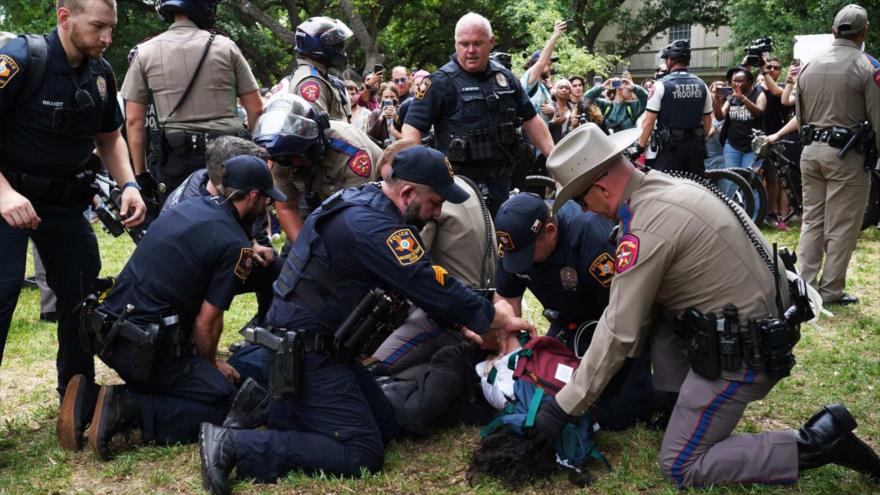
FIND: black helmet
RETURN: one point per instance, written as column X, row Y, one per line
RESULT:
column 290, row 127
column 678, row 50
column 323, row 39
column 202, row 12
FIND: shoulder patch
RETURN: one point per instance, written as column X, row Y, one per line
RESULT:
column 440, row 275
column 245, row 264
column 876, row 77
column 9, row 68
column 310, row 90
column 405, row 247
column 422, row 88
column 602, row 269
column 361, row 164
column 101, row 82
column 627, row 252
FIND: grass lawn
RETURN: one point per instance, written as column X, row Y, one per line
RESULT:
column 838, row 361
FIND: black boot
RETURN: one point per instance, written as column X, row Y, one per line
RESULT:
column 827, row 438
column 115, row 412
column 217, row 451
column 76, row 411
column 248, row 409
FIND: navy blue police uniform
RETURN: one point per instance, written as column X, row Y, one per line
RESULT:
column 574, row 283
column 338, row 422
column 475, row 116
column 46, row 144
column 261, row 278
column 684, row 100
column 196, row 252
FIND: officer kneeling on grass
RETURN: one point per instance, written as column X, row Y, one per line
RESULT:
column 725, row 322
column 357, row 240
column 160, row 325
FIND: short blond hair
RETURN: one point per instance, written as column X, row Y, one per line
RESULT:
column 78, row 6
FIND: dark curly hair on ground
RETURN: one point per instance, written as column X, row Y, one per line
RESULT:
column 511, row 458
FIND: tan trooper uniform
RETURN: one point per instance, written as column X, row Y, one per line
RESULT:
column 164, row 65
column 457, row 242
column 840, row 87
column 681, row 247
column 322, row 90
column 351, row 159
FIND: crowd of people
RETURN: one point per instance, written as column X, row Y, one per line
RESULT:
column 395, row 306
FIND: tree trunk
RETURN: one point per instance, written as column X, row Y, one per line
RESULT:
column 365, row 37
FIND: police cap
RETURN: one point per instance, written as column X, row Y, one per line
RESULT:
column 248, row 172
column 422, row 165
column 517, row 225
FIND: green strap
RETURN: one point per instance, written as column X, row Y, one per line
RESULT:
column 492, row 426
column 492, row 374
column 533, row 407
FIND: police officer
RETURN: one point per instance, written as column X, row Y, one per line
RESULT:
column 314, row 157
column 57, row 105
column 320, row 46
column 677, row 242
column 475, row 105
column 836, row 92
column 209, row 182
column 186, row 71
column 358, row 239
column 462, row 242
column 680, row 107
column 566, row 260
column 161, row 323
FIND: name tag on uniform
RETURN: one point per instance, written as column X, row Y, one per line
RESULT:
column 470, row 88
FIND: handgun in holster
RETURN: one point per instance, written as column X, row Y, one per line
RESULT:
column 288, row 359
column 143, row 343
column 701, row 332
column 156, row 152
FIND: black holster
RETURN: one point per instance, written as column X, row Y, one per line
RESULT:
column 700, row 333
column 288, row 359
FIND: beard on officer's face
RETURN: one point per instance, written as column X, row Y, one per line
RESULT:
column 255, row 211
column 413, row 215
column 78, row 38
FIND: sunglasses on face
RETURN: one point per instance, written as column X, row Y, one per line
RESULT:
column 773, row 67
column 399, row 80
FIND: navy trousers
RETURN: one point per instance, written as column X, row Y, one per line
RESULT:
column 180, row 394
column 69, row 250
column 338, row 425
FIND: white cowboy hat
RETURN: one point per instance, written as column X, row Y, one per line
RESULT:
column 582, row 156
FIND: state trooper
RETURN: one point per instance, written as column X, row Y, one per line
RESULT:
column 680, row 107
column 357, row 240
column 320, row 46
column 160, row 325
column 185, row 71
column 722, row 337
column 314, row 157
column 57, row 106
column 838, row 92
column 475, row 105
column 566, row 261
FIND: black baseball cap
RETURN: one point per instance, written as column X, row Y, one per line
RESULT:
column 517, row 225
column 423, row 165
column 536, row 55
column 248, row 172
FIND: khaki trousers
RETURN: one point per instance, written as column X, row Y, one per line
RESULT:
column 835, row 193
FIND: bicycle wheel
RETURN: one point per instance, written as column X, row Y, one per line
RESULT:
column 872, row 210
column 734, row 187
column 759, row 192
column 541, row 185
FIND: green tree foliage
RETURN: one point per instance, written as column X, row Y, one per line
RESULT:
column 784, row 20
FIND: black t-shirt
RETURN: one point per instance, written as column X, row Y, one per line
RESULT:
column 739, row 132
column 195, row 252
column 773, row 113
column 53, row 132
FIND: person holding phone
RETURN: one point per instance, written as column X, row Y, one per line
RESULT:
column 382, row 120
column 741, row 113
column 626, row 104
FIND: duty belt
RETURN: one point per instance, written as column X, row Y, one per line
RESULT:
column 836, row 136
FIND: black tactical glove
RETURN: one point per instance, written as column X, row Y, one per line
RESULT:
column 639, row 150
column 149, row 184
column 550, row 421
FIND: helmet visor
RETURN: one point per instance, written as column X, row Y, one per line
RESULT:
column 286, row 116
column 336, row 35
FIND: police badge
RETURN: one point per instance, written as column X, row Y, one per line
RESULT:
column 501, row 79
column 569, row 278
